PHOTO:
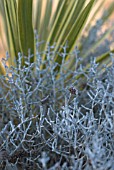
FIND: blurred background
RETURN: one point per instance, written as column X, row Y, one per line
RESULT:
column 107, row 24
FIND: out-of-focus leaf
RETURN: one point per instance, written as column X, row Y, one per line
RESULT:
column 108, row 12
column 11, row 28
column 75, row 30
column 37, row 17
column 104, row 56
column 66, row 25
column 2, row 69
column 44, row 26
column 95, row 11
column 66, row 17
column 26, row 33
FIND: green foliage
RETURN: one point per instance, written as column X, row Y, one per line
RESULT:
column 26, row 33
column 66, row 23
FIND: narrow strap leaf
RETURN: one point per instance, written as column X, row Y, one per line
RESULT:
column 25, row 27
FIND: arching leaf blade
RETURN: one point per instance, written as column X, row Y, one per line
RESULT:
column 75, row 30
column 26, row 33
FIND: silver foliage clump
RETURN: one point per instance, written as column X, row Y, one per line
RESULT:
column 56, row 122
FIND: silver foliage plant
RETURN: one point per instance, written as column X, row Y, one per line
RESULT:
column 56, row 118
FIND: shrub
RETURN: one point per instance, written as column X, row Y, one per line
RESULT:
column 51, row 121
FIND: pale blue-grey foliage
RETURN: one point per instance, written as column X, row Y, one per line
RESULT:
column 57, row 122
